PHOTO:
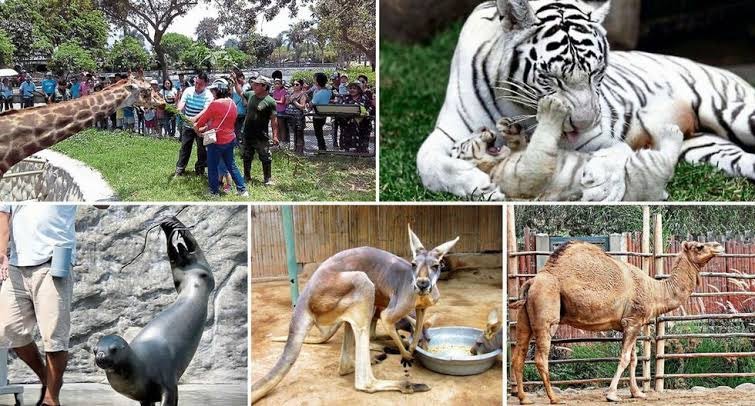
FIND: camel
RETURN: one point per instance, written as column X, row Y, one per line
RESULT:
column 582, row 286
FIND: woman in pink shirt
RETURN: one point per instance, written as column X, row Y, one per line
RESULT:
column 221, row 116
column 280, row 94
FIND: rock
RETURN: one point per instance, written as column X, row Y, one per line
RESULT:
column 724, row 388
column 571, row 391
column 111, row 297
column 746, row 386
column 698, row 389
column 557, row 390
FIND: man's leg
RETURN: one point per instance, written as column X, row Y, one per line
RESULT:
column 187, row 140
column 52, row 301
column 263, row 149
column 201, row 163
column 30, row 355
column 248, row 155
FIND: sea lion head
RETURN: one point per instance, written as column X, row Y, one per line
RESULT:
column 186, row 258
column 110, row 352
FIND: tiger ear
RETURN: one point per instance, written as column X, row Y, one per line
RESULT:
column 516, row 14
column 599, row 14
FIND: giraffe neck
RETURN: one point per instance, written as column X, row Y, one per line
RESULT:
column 25, row 132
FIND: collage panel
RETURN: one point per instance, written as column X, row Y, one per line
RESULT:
column 366, row 277
column 123, row 305
column 188, row 100
column 631, row 303
column 567, row 100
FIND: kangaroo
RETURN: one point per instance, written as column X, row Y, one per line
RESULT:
column 492, row 338
column 349, row 288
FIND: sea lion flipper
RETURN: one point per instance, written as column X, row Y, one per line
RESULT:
column 170, row 396
column 182, row 247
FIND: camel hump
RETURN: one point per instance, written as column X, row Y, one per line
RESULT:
column 569, row 246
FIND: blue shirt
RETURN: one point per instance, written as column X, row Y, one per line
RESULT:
column 75, row 87
column 321, row 96
column 7, row 90
column 195, row 102
column 128, row 111
column 27, row 89
column 37, row 229
column 240, row 108
column 48, row 85
column 343, row 89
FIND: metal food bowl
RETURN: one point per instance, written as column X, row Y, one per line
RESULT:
column 455, row 363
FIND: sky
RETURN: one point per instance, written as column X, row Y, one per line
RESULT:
column 187, row 24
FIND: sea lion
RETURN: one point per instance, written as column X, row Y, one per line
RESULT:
column 148, row 369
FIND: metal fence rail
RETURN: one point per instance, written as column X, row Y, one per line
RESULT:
column 658, row 336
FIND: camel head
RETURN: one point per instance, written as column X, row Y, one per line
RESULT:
column 426, row 264
column 699, row 253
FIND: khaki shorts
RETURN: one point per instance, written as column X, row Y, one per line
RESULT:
column 31, row 296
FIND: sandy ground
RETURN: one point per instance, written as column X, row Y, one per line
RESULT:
column 712, row 397
column 313, row 380
column 95, row 394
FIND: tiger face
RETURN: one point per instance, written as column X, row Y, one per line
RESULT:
column 485, row 149
column 561, row 48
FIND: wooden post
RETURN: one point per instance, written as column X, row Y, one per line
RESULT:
column 646, row 346
column 512, row 287
column 660, row 326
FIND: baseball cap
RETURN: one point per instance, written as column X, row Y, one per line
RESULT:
column 261, row 80
column 220, row 84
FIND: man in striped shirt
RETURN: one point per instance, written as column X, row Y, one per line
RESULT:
column 194, row 101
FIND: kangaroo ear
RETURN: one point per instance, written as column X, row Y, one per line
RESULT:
column 494, row 324
column 443, row 249
column 599, row 14
column 516, row 14
column 414, row 243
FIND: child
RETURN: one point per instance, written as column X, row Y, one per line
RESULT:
column 150, row 121
column 224, row 177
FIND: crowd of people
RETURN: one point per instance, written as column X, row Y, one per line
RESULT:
column 254, row 114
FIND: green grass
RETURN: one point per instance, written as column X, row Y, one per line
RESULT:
column 140, row 168
column 413, row 82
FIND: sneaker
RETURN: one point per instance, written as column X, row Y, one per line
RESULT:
column 179, row 174
column 244, row 194
column 269, row 182
column 227, row 188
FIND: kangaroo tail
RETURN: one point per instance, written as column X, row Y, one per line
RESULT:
column 300, row 325
column 521, row 302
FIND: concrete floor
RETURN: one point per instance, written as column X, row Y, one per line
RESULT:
column 314, row 380
column 95, row 394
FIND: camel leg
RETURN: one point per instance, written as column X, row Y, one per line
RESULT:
column 347, row 349
column 633, row 388
column 542, row 352
column 523, row 336
column 625, row 357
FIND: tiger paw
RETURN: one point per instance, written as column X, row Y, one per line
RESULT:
column 513, row 134
column 552, row 110
column 672, row 131
column 485, row 135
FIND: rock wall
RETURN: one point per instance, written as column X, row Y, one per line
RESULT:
column 63, row 179
column 112, row 296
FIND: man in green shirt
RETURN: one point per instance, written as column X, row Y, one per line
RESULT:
column 260, row 113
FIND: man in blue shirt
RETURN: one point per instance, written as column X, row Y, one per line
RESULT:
column 48, row 86
column 34, row 293
column 240, row 106
column 194, row 101
column 27, row 92
column 75, row 88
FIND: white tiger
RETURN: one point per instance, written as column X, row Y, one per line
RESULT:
column 541, row 170
column 512, row 53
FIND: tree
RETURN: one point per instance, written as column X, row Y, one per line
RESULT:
column 127, row 54
column 259, row 46
column 352, row 22
column 239, row 58
column 72, row 58
column 208, row 31
column 151, row 18
column 37, row 27
column 174, row 45
column 296, row 36
column 196, row 56
column 6, row 49
column 232, row 43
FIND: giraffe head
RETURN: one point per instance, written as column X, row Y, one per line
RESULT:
column 142, row 93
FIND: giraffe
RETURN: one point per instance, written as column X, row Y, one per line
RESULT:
column 27, row 131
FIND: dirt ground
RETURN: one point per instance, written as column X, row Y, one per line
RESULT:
column 313, row 380
column 712, row 397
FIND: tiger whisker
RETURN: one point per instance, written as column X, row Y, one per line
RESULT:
column 523, row 87
column 515, row 93
column 519, row 100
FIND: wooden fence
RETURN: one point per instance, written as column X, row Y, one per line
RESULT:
column 322, row 231
column 728, row 284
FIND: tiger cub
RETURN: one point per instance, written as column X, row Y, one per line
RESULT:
column 540, row 170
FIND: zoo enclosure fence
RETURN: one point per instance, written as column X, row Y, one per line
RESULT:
column 724, row 273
